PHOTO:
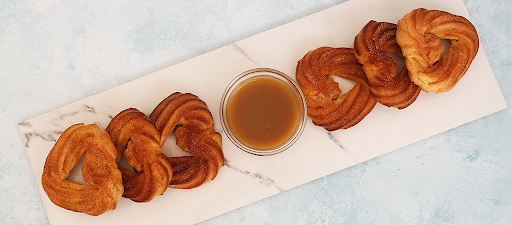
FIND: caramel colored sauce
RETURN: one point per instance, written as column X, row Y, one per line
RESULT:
column 263, row 113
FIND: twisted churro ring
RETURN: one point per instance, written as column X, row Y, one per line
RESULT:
column 415, row 35
column 99, row 171
column 133, row 133
column 388, row 88
column 325, row 108
column 192, row 123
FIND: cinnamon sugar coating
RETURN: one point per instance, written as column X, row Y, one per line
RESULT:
column 192, row 123
column 135, row 135
column 389, row 88
column 326, row 107
column 419, row 33
column 105, row 186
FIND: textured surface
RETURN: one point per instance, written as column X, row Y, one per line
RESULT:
column 55, row 53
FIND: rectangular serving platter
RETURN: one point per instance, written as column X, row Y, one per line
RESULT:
column 247, row 178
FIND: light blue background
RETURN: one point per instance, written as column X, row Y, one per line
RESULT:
column 55, row 52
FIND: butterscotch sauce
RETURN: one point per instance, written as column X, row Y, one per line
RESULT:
column 263, row 112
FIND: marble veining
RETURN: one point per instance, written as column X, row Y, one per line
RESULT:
column 51, row 136
column 247, row 178
column 57, row 122
column 238, row 49
column 262, row 179
column 336, row 141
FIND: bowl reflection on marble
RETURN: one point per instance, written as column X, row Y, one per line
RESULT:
column 263, row 111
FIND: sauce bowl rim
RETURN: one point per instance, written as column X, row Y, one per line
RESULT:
column 235, row 84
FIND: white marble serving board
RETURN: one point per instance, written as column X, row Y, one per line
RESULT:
column 247, row 178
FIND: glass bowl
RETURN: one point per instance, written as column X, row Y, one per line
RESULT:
column 233, row 99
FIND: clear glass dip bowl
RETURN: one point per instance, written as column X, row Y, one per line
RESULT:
column 256, row 75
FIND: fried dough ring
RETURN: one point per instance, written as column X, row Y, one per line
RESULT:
column 325, row 108
column 192, row 123
column 415, row 35
column 388, row 88
column 133, row 133
column 99, row 171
